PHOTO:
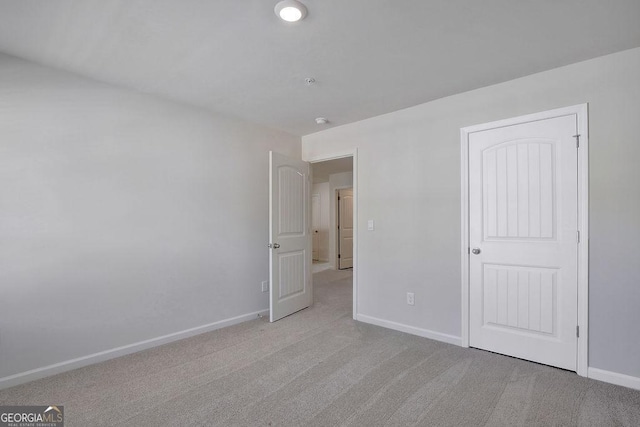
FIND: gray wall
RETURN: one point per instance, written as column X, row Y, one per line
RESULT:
column 123, row 217
column 409, row 182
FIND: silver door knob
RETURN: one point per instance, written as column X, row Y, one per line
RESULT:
column 273, row 246
column 475, row 251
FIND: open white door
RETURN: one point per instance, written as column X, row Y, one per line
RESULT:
column 289, row 236
column 345, row 229
column 523, row 236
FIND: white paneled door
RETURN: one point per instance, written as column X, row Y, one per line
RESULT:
column 523, row 235
column 345, row 228
column 289, row 236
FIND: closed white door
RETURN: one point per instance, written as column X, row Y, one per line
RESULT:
column 345, row 228
column 524, row 242
column 289, row 236
column 315, row 226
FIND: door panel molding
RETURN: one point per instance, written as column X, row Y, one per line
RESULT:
column 581, row 113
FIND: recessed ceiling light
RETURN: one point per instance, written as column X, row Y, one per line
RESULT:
column 322, row 121
column 290, row 10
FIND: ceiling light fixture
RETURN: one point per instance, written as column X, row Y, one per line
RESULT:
column 322, row 121
column 290, row 10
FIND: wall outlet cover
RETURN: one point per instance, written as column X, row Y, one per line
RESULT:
column 265, row 286
column 411, row 299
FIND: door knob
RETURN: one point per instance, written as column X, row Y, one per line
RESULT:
column 475, row 251
column 273, row 246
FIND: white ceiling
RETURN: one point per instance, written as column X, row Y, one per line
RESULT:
column 322, row 170
column 369, row 57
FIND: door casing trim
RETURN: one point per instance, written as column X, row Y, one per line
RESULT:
column 581, row 113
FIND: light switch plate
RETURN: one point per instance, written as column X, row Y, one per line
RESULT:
column 370, row 225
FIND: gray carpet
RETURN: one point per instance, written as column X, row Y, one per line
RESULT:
column 321, row 368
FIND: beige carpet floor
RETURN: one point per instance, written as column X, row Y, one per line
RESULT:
column 319, row 367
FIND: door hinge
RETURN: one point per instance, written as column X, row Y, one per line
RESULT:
column 338, row 256
column 578, row 236
column 578, row 331
column 577, row 137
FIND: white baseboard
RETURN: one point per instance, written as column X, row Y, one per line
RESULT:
column 426, row 333
column 614, row 378
column 79, row 362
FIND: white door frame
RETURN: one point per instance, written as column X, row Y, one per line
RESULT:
column 339, row 155
column 581, row 113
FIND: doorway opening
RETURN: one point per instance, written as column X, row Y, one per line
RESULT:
column 329, row 179
column 334, row 220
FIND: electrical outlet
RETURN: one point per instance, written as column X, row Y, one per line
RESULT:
column 265, row 286
column 411, row 298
